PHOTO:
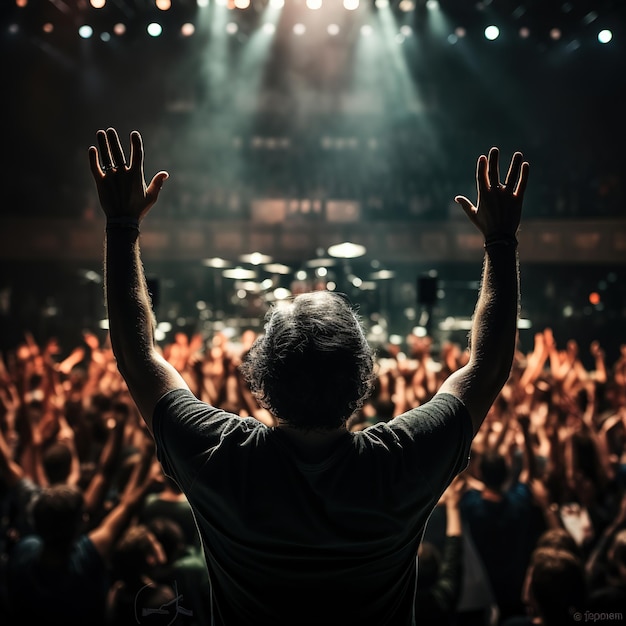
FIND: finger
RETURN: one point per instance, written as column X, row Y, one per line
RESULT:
column 482, row 183
column 467, row 206
column 493, row 168
column 94, row 165
column 514, row 170
column 154, row 188
column 105, row 154
column 136, row 151
column 117, row 153
column 523, row 179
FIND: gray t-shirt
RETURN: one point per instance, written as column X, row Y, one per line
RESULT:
column 295, row 544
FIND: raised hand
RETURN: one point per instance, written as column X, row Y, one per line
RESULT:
column 498, row 210
column 121, row 185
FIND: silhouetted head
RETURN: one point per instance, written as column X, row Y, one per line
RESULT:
column 312, row 367
column 57, row 462
column 560, row 539
column 137, row 553
column 170, row 535
column 494, row 470
column 58, row 514
column 555, row 586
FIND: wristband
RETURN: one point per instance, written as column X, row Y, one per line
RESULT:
column 502, row 240
column 123, row 221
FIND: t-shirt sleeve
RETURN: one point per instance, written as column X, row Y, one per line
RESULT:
column 436, row 438
column 187, row 429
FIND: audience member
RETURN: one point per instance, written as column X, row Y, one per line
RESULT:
column 440, row 574
column 136, row 596
column 555, row 591
column 185, row 568
column 312, row 369
column 172, row 503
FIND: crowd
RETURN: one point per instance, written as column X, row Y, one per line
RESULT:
column 534, row 529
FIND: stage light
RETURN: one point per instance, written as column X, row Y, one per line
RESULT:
column 460, row 32
column 383, row 275
column 406, row 5
column 277, row 268
column 21, row 3
column 555, row 34
column 203, row 3
column 97, row 4
column 492, row 32
column 269, row 28
column 239, row 273
column 163, row 5
column 406, row 30
column 85, row 31
column 187, row 29
column 604, row 36
column 333, row 30
column 321, row 262
column 277, row 4
column 119, row 29
column 154, row 29
column 231, row 28
column 105, row 36
column 255, row 258
column 48, row 27
column 366, row 30
column 594, row 297
column 217, row 262
column 242, row 4
column 432, row 5
column 347, row 250
column 299, row 29
column 314, row 4
column 524, row 33
column 351, row 5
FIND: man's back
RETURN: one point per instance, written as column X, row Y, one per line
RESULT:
column 293, row 542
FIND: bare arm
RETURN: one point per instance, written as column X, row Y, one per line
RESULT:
column 66, row 436
column 105, row 535
column 494, row 329
column 10, row 471
column 107, row 464
column 125, row 200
